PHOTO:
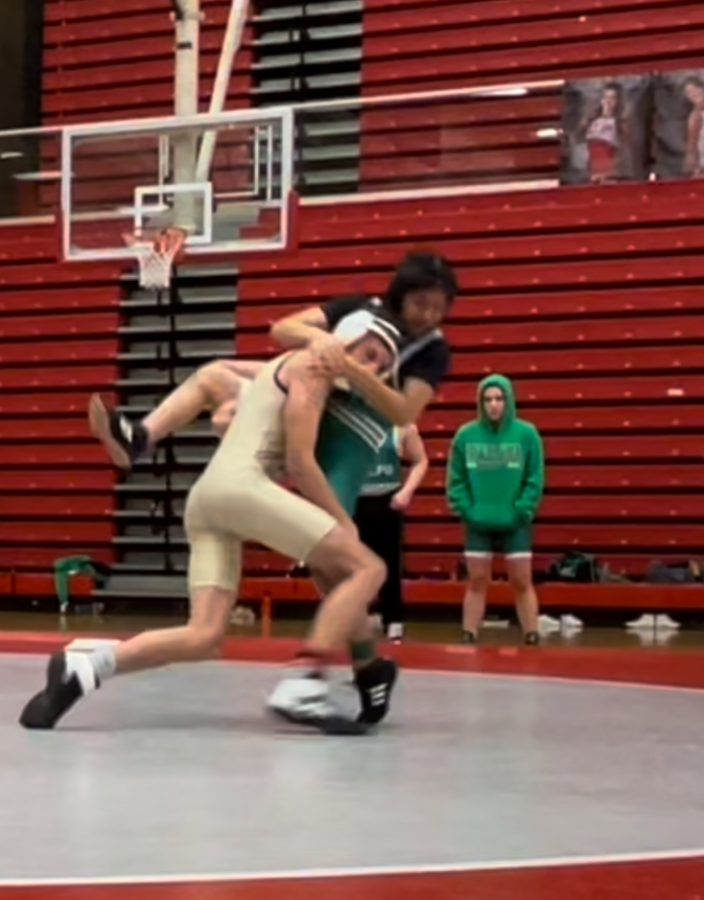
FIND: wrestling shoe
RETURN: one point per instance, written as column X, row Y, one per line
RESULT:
column 66, row 682
column 124, row 441
column 375, row 682
column 303, row 698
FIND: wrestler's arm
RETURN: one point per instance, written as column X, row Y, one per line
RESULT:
column 310, row 328
column 307, row 395
column 423, row 372
column 300, row 329
column 412, row 451
column 399, row 407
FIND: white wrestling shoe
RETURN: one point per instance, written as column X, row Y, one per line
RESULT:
column 303, row 698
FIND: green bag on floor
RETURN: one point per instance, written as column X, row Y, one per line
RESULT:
column 68, row 566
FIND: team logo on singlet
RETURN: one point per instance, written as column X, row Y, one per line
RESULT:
column 353, row 412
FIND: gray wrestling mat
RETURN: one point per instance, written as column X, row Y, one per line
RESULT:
column 180, row 772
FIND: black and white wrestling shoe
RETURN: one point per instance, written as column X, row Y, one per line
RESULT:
column 69, row 676
column 123, row 440
column 375, row 683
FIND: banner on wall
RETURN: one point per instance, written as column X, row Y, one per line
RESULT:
column 678, row 124
column 606, row 130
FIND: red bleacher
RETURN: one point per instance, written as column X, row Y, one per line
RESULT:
column 411, row 45
column 589, row 298
column 114, row 59
column 602, row 335
column 58, row 342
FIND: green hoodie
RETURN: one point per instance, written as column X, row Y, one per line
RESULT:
column 495, row 473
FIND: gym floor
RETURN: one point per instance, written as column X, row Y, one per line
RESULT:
column 568, row 770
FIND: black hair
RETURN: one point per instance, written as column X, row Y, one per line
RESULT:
column 617, row 89
column 421, row 271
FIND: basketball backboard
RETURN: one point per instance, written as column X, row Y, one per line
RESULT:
column 225, row 178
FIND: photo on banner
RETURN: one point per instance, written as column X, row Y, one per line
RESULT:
column 678, row 124
column 606, row 130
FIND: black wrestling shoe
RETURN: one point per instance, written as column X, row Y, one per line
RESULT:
column 62, row 691
column 469, row 637
column 124, row 441
column 375, row 682
column 531, row 639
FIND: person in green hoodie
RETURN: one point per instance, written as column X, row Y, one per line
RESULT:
column 495, row 480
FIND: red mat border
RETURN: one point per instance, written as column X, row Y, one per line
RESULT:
column 671, row 879
column 651, row 666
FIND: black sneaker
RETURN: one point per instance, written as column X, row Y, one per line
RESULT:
column 531, row 638
column 469, row 637
column 124, row 441
column 61, row 692
column 375, row 683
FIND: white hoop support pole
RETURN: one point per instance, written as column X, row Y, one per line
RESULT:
column 231, row 44
column 187, row 35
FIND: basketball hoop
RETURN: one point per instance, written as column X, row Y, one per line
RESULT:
column 156, row 255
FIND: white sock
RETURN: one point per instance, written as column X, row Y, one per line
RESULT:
column 91, row 668
column 104, row 662
column 79, row 664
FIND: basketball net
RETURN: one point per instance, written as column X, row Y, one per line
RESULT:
column 155, row 254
